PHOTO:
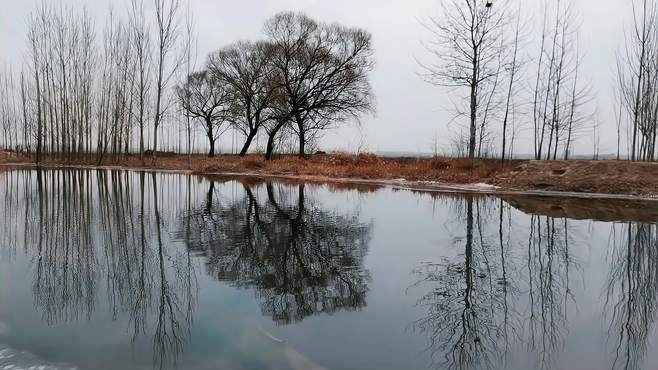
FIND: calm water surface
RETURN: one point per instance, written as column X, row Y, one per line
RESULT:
column 126, row 270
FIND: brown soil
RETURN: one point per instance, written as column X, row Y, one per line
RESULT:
column 603, row 177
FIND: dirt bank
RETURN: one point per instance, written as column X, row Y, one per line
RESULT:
column 541, row 177
column 606, row 177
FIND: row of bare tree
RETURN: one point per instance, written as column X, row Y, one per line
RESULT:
column 481, row 47
column 637, row 92
column 303, row 78
column 80, row 92
column 110, row 92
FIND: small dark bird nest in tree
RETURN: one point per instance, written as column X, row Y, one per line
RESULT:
column 489, row 4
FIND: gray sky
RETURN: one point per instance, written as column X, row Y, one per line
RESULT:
column 410, row 113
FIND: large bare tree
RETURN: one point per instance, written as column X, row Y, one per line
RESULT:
column 320, row 72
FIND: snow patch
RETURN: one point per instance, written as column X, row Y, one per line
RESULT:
column 484, row 186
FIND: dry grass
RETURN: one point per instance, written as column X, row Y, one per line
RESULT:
column 335, row 165
column 608, row 177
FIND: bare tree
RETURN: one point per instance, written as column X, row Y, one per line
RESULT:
column 34, row 37
column 321, row 74
column 141, row 44
column 10, row 111
column 637, row 70
column 190, row 63
column 206, row 98
column 246, row 68
column 117, row 83
column 167, row 34
column 560, row 95
column 468, row 41
column 513, row 76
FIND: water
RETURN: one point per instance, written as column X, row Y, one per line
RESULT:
column 127, row 270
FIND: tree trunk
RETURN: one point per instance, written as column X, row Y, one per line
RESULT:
column 247, row 143
column 302, row 145
column 472, row 138
column 39, row 122
column 270, row 141
column 302, row 135
column 155, row 140
column 211, row 137
column 211, row 153
column 270, row 147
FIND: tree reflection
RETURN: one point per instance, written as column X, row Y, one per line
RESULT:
column 467, row 294
column 66, row 275
column 631, row 298
column 549, row 265
column 474, row 306
column 301, row 260
column 87, row 231
column 129, row 244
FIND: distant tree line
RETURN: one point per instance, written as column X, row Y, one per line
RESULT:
column 111, row 93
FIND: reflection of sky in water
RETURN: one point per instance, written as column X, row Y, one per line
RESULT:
column 367, row 280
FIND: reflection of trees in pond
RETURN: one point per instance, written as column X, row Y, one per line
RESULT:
column 632, row 292
column 89, row 230
column 468, row 294
column 66, row 273
column 473, row 316
column 302, row 260
column 549, row 264
column 100, row 240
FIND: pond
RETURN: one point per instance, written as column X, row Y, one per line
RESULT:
column 132, row 270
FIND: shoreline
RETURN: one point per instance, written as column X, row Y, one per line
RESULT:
column 398, row 184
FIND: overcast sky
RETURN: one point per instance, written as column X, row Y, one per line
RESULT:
column 410, row 113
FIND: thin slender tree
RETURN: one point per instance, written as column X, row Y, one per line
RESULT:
column 468, row 39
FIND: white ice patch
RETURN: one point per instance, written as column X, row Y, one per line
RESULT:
column 484, row 186
column 11, row 359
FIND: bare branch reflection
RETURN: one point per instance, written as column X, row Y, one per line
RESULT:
column 129, row 245
column 492, row 296
column 632, row 293
column 89, row 231
column 301, row 260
